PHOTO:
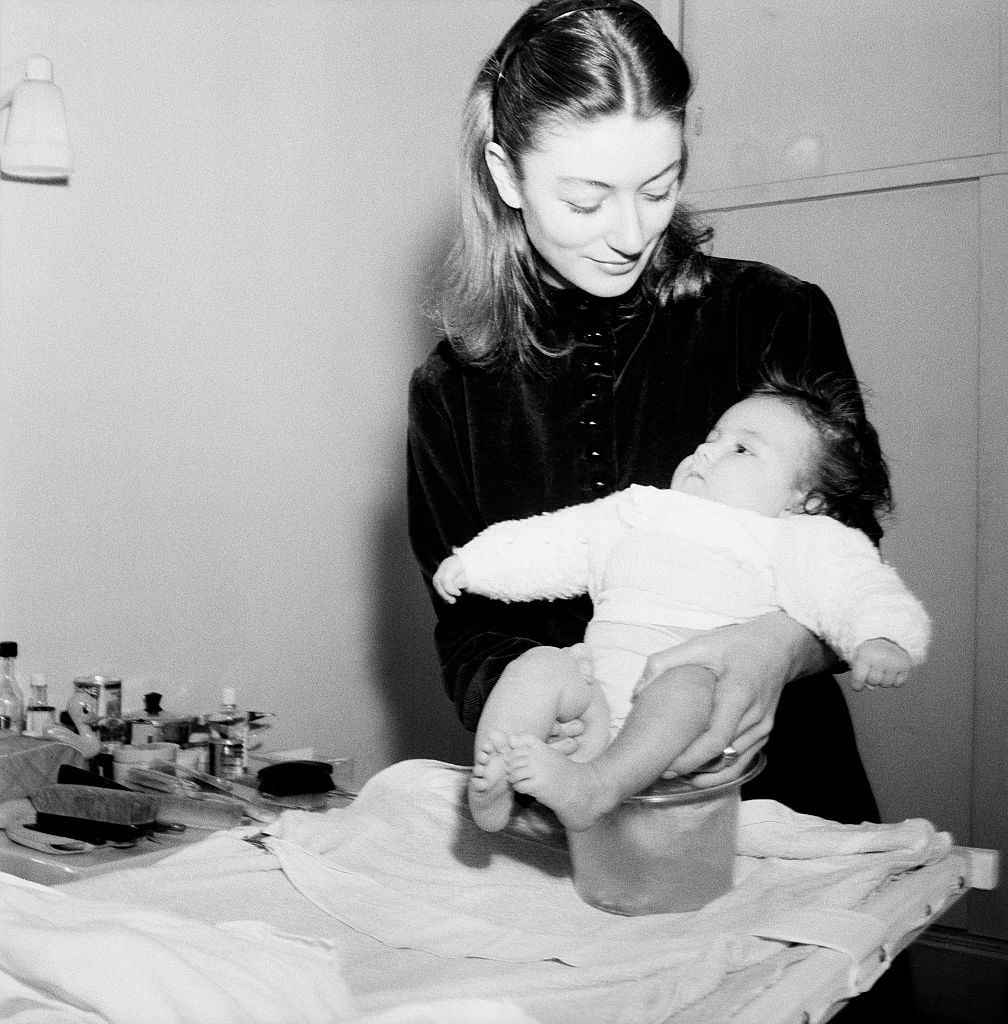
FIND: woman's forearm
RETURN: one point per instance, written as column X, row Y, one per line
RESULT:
column 806, row 653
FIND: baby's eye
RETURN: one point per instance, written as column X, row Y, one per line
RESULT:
column 740, row 448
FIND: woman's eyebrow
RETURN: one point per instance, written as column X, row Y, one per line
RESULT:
column 674, row 166
column 573, row 179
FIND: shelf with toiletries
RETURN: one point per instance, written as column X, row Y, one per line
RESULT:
column 103, row 789
column 84, row 824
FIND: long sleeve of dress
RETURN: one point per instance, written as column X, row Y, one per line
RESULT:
column 831, row 579
column 476, row 638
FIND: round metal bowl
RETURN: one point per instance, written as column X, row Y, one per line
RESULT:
column 668, row 850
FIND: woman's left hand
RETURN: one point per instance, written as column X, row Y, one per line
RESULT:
column 751, row 661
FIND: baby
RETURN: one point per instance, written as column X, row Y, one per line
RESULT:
column 773, row 511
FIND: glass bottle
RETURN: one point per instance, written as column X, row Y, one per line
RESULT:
column 112, row 729
column 227, row 717
column 40, row 714
column 11, row 698
column 227, row 738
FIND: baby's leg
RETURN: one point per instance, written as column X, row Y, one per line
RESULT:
column 663, row 720
column 535, row 690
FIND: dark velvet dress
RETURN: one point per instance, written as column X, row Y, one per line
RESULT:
column 639, row 389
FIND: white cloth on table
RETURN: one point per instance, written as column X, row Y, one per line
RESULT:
column 143, row 966
column 71, row 960
column 406, row 865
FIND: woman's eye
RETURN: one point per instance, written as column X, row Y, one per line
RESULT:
column 667, row 194
column 577, row 208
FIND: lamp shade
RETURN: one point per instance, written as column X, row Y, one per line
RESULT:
column 36, row 143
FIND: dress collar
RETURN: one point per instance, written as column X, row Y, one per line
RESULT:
column 573, row 304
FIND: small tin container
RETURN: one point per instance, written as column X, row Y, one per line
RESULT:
column 668, row 850
column 107, row 694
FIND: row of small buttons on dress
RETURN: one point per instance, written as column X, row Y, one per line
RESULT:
column 593, row 366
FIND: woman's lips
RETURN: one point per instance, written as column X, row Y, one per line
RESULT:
column 616, row 267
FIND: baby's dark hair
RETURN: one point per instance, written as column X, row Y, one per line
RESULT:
column 851, row 478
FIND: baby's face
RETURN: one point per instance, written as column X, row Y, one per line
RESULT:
column 757, row 457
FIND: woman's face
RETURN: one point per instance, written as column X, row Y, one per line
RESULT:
column 596, row 197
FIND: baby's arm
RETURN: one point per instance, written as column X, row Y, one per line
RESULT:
column 450, row 579
column 879, row 662
column 831, row 579
column 543, row 557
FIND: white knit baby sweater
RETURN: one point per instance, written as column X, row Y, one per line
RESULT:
column 663, row 558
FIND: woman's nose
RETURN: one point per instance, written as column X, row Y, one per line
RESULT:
column 625, row 234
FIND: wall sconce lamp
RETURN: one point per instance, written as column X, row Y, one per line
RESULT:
column 36, row 144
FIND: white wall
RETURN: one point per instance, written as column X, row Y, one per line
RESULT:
column 205, row 341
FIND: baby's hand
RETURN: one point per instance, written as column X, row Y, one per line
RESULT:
column 450, row 578
column 879, row 662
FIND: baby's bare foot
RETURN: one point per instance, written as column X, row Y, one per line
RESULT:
column 576, row 792
column 490, row 794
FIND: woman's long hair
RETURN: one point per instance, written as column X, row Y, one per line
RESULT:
column 560, row 63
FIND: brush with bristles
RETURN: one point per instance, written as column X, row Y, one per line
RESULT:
column 96, row 804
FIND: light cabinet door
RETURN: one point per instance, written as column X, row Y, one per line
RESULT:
column 797, row 89
column 901, row 268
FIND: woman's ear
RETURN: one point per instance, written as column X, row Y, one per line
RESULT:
column 501, row 171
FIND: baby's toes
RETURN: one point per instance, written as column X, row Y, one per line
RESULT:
column 497, row 743
column 518, row 759
column 521, row 741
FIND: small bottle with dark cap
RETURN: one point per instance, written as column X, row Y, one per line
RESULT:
column 11, row 698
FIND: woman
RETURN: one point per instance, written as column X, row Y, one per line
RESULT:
column 592, row 345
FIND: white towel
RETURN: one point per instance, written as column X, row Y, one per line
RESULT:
column 83, row 961
column 406, row 865
column 70, row 960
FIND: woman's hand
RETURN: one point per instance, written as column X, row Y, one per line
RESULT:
column 751, row 663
